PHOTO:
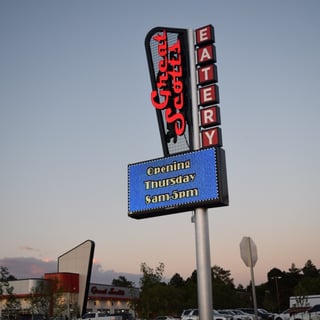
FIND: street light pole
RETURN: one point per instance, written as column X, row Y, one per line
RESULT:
column 277, row 291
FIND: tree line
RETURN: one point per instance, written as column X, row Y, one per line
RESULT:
column 160, row 297
column 169, row 297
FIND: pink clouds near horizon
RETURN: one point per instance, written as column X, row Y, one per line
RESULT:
column 30, row 267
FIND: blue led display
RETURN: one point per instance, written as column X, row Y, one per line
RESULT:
column 173, row 184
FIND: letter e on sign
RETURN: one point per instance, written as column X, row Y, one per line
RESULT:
column 205, row 35
column 209, row 95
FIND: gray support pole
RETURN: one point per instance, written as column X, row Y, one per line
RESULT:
column 253, row 282
column 203, row 264
column 200, row 214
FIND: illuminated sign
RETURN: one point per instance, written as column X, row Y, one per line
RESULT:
column 184, row 82
column 167, row 53
column 177, row 183
column 208, row 91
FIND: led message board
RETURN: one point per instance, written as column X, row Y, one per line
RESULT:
column 177, row 183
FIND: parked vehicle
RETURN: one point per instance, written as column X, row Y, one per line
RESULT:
column 236, row 314
column 190, row 314
column 286, row 314
column 262, row 314
column 265, row 314
column 245, row 316
column 193, row 314
column 312, row 313
column 95, row 316
column 165, row 318
column 218, row 316
column 107, row 316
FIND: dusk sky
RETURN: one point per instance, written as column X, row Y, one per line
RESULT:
column 75, row 110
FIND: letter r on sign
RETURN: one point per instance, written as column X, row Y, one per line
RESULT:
column 210, row 116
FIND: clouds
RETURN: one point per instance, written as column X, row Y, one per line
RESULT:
column 30, row 267
column 99, row 275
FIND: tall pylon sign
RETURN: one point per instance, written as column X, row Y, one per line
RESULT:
column 192, row 172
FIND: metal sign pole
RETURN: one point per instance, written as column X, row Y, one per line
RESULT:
column 200, row 214
column 252, row 281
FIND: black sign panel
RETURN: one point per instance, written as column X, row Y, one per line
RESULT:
column 167, row 53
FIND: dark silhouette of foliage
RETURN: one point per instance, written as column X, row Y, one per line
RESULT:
column 310, row 270
column 159, row 297
column 122, row 282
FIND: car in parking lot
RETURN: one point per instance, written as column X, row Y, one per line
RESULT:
column 165, row 318
column 236, row 314
column 286, row 314
column 193, row 314
column 190, row 314
column 312, row 313
column 217, row 315
column 262, row 314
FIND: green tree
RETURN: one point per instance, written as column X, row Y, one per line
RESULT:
column 12, row 305
column 46, row 299
column 122, row 282
column 223, row 290
column 191, row 291
column 5, row 287
column 152, row 295
column 310, row 270
column 176, row 281
column 294, row 271
column 221, row 275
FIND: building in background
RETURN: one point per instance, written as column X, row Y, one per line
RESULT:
column 72, row 283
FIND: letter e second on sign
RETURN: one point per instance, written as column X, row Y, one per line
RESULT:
column 209, row 95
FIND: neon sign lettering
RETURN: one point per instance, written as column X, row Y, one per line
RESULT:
column 208, row 92
column 169, row 93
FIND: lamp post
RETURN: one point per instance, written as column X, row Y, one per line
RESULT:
column 277, row 291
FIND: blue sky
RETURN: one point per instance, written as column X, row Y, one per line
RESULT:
column 75, row 110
